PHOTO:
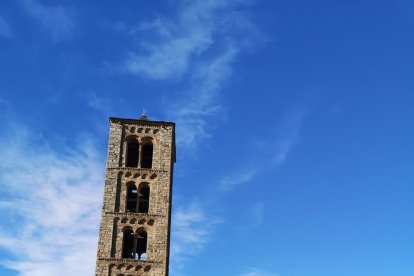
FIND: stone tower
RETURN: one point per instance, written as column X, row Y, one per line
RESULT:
column 134, row 233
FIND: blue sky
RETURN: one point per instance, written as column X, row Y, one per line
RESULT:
column 295, row 134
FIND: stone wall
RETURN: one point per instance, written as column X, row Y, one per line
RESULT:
column 114, row 216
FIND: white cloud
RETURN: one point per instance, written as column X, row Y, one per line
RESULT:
column 229, row 182
column 173, row 45
column 57, row 20
column 50, row 205
column 5, row 30
column 191, row 231
column 176, row 42
column 198, row 103
column 257, row 272
column 199, row 46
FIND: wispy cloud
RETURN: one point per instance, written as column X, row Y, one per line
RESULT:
column 50, row 205
column 99, row 103
column 268, row 153
column 257, row 272
column 257, row 213
column 172, row 45
column 5, row 30
column 57, row 20
column 288, row 135
column 197, row 49
column 198, row 103
column 191, row 231
column 4, row 102
column 230, row 181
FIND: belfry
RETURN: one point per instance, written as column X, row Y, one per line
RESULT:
column 134, row 234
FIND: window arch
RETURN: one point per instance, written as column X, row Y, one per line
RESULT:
column 134, row 244
column 146, row 154
column 132, row 152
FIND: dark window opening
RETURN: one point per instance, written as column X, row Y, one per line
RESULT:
column 128, row 244
column 135, row 245
column 132, row 198
column 146, row 159
column 114, row 235
column 143, row 202
column 142, row 245
column 132, row 153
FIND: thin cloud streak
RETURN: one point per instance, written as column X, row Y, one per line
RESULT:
column 5, row 30
column 53, row 203
column 289, row 130
column 257, row 272
column 199, row 105
column 257, row 214
column 99, row 103
column 227, row 183
column 270, row 153
column 56, row 20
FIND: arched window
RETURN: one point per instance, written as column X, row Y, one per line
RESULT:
column 132, row 153
column 128, row 244
column 134, row 244
column 132, row 197
column 137, row 200
column 143, row 200
column 146, row 155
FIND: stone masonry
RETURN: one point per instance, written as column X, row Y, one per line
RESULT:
column 115, row 217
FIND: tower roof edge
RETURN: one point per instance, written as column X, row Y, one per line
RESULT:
column 139, row 121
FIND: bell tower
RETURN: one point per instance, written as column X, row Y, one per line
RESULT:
column 134, row 234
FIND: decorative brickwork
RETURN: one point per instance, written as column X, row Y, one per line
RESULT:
column 116, row 254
